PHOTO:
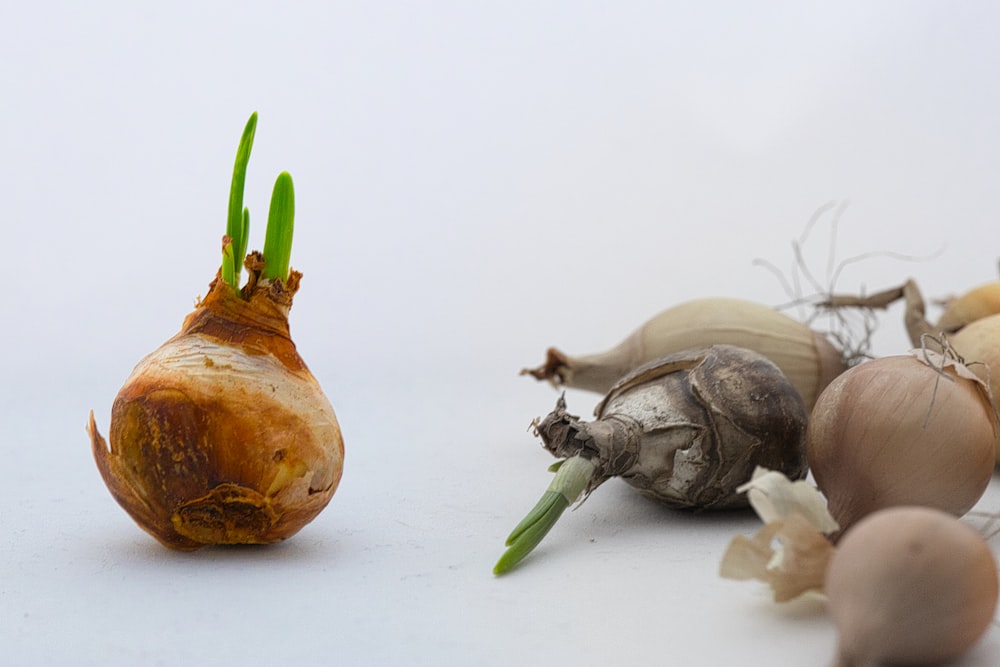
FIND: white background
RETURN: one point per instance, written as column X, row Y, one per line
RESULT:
column 474, row 182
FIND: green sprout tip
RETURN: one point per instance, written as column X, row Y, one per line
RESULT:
column 280, row 225
column 238, row 222
column 572, row 477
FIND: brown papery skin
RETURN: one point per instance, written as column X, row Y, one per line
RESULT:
column 977, row 303
column 893, row 432
column 805, row 356
column 910, row 586
column 688, row 429
column 222, row 435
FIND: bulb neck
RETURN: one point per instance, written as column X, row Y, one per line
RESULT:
column 255, row 318
column 610, row 444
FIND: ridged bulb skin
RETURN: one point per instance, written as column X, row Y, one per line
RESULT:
column 979, row 344
column 805, row 356
column 687, row 430
column 222, row 435
column 892, row 431
column 910, row 586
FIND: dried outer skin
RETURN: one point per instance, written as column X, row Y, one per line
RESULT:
column 977, row 303
column 690, row 428
column 805, row 356
column 222, row 435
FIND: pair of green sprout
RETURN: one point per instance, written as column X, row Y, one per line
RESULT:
column 280, row 220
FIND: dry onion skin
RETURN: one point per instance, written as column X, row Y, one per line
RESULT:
column 805, row 356
column 977, row 303
column 916, row 429
column 686, row 430
column 909, row 586
column 791, row 551
column 959, row 312
column 969, row 325
column 222, row 435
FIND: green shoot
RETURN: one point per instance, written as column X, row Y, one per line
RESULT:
column 280, row 225
column 238, row 222
column 572, row 477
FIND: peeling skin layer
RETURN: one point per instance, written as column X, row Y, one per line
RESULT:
column 222, row 435
column 689, row 429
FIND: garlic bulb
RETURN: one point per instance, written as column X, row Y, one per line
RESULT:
column 909, row 586
column 805, row 356
column 913, row 429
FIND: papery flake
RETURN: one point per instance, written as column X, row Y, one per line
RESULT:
column 938, row 360
column 790, row 555
column 775, row 497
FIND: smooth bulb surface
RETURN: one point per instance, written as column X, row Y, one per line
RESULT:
column 893, row 431
column 979, row 344
column 910, row 586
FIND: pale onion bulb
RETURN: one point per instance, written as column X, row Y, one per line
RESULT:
column 916, row 429
column 910, row 586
